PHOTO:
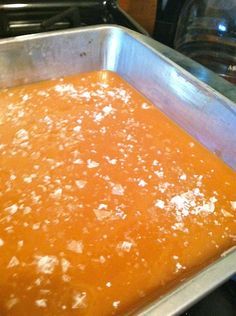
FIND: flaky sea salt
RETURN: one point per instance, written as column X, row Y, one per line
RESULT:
column 65, row 264
column 92, row 164
column 12, row 302
column 13, row 262
column 226, row 214
column 12, row 209
column 46, row 264
column 28, row 179
column 66, row 89
column 41, row 303
column 102, row 206
column 160, row 204
column 142, row 183
column 36, row 226
column 77, row 129
column 145, row 106
column 125, row 246
column 26, row 210
column 75, row 246
column 80, row 184
column 111, row 161
column 159, row 173
column 116, row 304
column 79, row 300
column 183, row 177
column 108, row 109
column 118, row 189
column 56, row 194
column 179, row 201
column 233, row 205
column 98, row 117
column 155, row 163
column 66, row 278
column 102, row 214
column 25, row 97
column 78, row 161
column 22, row 135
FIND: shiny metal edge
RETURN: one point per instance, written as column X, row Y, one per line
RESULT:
column 203, row 75
column 198, row 108
column 192, row 290
column 110, row 58
column 23, row 5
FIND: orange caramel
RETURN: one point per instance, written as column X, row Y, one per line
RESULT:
column 104, row 200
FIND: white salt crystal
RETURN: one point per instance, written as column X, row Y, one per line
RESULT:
column 118, row 189
column 65, row 264
column 80, row 184
column 46, row 264
column 12, row 209
column 11, row 302
column 115, row 304
column 183, row 177
column 79, row 300
column 75, row 246
column 13, row 262
column 77, row 129
column 41, row 303
column 233, row 205
column 160, row 204
column 142, row 183
column 125, row 246
column 92, row 164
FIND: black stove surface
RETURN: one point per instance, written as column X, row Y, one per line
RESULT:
column 33, row 16
column 221, row 302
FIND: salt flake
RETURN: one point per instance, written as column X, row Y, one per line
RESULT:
column 108, row 109
column 183, row 177
column 78, row 161
column 118, row 189
column 41, row 303
column 102, row 214
column 22, row 135
column 142, row 183
column 79, row 300
column 160, row 204
column 125, row 246
column 145, row 106
column 46, row 264
column 13, row 262
column 65, row 264
column 233, row 205
column 80, row 184
column 12, row 209
column 12, row 302
column 57, row 193
column 77, row 129
column 115, row 304
column 92, row 164
column 75, row 246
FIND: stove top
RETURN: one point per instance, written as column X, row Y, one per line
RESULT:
column 29, row 17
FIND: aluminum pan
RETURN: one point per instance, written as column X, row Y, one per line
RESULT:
column 199, row 109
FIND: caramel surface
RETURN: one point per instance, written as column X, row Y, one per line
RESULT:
column 103, row 199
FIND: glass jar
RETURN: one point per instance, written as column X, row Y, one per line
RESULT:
column 206, row 32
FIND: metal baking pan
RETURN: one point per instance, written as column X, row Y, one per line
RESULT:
column 198, row 108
